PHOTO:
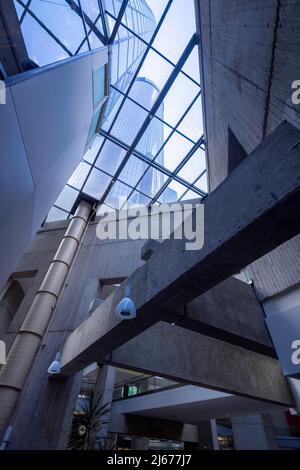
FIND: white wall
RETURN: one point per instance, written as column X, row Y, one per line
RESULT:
column 43, row 131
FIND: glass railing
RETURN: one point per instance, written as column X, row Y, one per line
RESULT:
column 140, row 386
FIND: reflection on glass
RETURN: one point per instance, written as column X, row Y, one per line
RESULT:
column 41, row 47
column 79, row 176
column 64, row 23
column 132, row 171
column 67, row 198
column 56, row 214
column 110, row 157
column 118, row 194
column 151, row 182
column 96, row 184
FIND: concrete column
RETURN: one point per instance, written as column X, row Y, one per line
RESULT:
column 138, row 443
column 208, row 435
column 105, row 387
column 22, row 354
column 253, row 432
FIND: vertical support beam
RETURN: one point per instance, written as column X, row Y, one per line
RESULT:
column 22, row 354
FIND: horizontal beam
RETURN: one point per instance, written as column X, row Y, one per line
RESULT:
column 230, row 312
column 186, row 356
column 252, row 212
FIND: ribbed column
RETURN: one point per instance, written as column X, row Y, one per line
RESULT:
column 28, row 340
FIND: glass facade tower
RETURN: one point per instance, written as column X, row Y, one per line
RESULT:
column 168, row 156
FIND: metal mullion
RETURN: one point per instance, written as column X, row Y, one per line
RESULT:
column 118, row 21
column 154, row 165
column 154, row 49
column 142, row 60
column 25, row 10
column 47, row 29
column 84, row 25
column 160, row 191
column 159, row 99
column 174, row 129
column 61, row 209
column 102, row 14
column 172, row 133
column 137, row 154
column 188, row 185
column 89, row 22
column 192, row 188
column 85, row 39
column 93, row 165
column 187, row 157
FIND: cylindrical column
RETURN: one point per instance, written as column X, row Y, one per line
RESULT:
column 28, row 340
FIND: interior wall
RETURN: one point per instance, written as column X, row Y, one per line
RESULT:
column 249, row 59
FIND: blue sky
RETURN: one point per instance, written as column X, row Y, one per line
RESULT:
column 172, row 39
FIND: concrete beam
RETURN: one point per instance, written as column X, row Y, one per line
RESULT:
column 152, row 428
column 253, row 211
column 189, row 357
column 230, row 312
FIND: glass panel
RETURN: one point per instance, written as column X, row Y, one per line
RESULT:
column 56, row 214
column 112, row 108
column 41, row 48
column 145, row 92
column 98, row 85
column 128, row 122
column 118, row 194
column 19, row 8
column 174, row 151
column 92, row 151
column 192, row 65
column 94, row 125
column 182, row 92
column 164, row 42
column 172, row 193
column 192, row 125
column 151, row 182
column 113, row 6
column 67, row 198
column 64, row 22
column 94, row 41
column 132, row 171
column 190, row 195
column 84, row 47
column 156, row 69
column 157, row 7
column 195, row 166
column 110, row 157
column 153, row 139
column 138, row 198
column 90, row 8
column 79, row 176
column 96, row 184
column 202, row 183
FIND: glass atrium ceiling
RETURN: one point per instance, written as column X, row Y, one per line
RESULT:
column 149, row 147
